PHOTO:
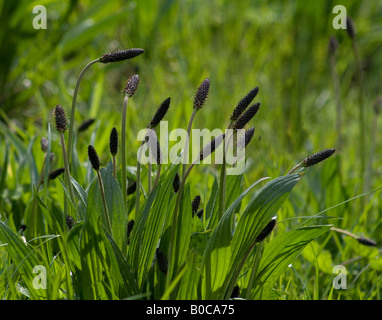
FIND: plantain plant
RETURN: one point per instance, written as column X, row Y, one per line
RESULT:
column 163, row 247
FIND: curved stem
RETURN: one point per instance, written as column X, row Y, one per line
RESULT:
column 73, row 110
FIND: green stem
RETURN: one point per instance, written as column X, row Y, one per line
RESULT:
column 107, row 217
column 138, row 188
column 114, row 168
column 123, row 142
column 157, row 177
column 67, row 170
column 73, row 110
column 186, row 145
column 361, row 109
column 338, row 100
column 255, row 267
column 149, row 176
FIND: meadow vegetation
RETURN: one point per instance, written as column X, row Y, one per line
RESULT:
column 309, row 199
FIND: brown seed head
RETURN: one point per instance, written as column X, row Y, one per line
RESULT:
column 317, row 157
column 195, row 204
column 55, row 173
column 113, row 141
column 161, row 112
column 93, row 157
column 131, row 188
column 131, row 85
column 176, row 183
column 86, row 124
column 202, row 94
column 162, row 261
column 333, row 44
column 366, row 241
column 60, row 118
column 266, row 231
column 211, row 146
column 70, row 222
column 244, row 103
column 247, row 116
column 350, row 28
column 44, row 144
column 120, row 55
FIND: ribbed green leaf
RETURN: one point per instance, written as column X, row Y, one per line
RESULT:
column 218, row 250
column 278, row 254
column 154, row 223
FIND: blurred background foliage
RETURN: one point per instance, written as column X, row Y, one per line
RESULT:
column 280, row 46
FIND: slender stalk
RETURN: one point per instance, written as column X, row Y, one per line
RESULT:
column 73, row 110
column 149, row 176
column 67, row 171
column 336, row 86
column 138, row 188
column 114, row 168
column 186, row 145
column 258, row 251
column 123, row 148
column 361, row 108
column 108, row 224
column 374, row 131
column 157, row 177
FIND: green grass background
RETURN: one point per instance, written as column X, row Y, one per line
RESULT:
column 280, row 46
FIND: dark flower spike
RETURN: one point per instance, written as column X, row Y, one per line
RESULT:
column 44, row 144
column 93, row 157
column 211, row 146
column 131, row 85
column 86, row 124
column 60, row 118
column 366, row 241
column 161, row 112
column 200, row 213
column 244, row 103
column 247, row 116
column 247, row 138
column 113, row 141
column 130, row 226
column 235, row 292
column 350, row 27
column 266, row 231
column 120, row 55
column 195, row 204
column 176, row 183
column 22, row 228
column 333, row 44
column 162, row 261
column 317, row 157
column 55, row 173
column 131, row 188
column 154, row 146
column 202, row 94
column 70, row 222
